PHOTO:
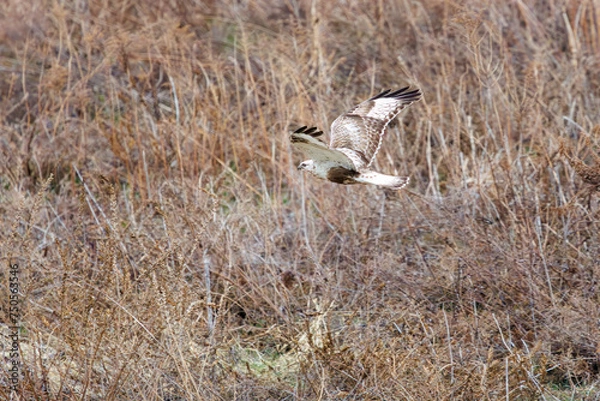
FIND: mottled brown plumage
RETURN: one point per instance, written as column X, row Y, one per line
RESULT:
column 356, row 138
column 363, row 127
column 341, row 175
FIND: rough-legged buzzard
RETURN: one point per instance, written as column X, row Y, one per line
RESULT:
column 356, row 137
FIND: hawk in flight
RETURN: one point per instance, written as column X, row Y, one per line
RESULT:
column 356, row 137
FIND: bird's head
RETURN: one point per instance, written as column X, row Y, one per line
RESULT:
column 307, row 165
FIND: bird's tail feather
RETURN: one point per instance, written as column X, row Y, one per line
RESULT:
column 382, row 180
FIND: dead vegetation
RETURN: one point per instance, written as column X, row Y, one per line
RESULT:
column 169, row 250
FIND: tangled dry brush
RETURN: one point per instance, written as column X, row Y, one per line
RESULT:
column 166, row 248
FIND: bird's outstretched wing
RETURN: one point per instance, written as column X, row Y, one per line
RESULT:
column 362, row 128
column 307, row 140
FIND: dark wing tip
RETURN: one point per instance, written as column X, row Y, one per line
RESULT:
column 300, row 130
column 402, row 94
column 382, row 94
column 309, row 131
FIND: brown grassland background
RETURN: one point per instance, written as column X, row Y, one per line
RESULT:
column 168, row 249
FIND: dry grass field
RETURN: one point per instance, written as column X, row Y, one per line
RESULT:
column 162, row 245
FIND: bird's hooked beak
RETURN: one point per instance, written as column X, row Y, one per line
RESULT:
column 300, row 166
